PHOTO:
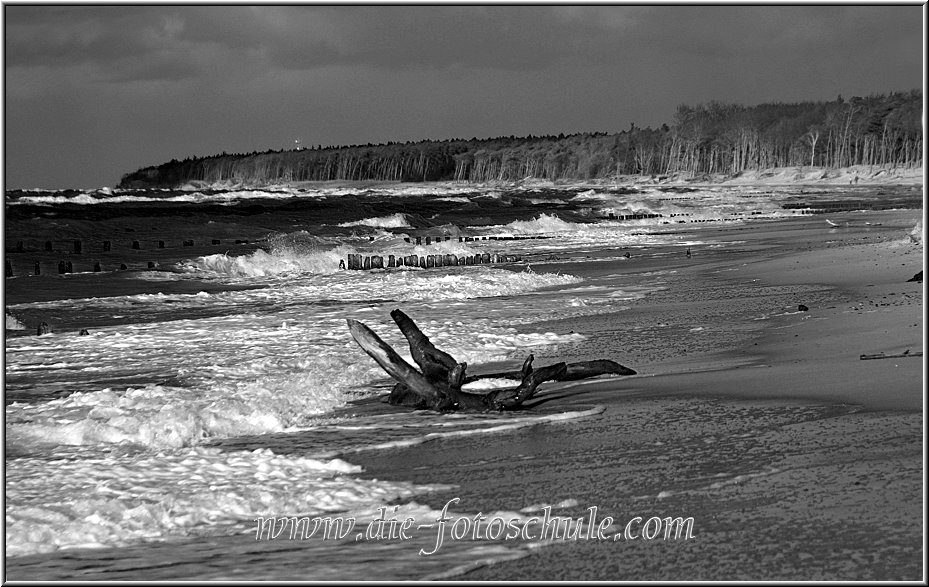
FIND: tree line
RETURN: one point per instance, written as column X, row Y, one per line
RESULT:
column 879, row 130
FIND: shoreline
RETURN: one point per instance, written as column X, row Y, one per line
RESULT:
column 824, row 483
column 817, row 455
column 856, row 175
column 858, row 297
column 773, row 176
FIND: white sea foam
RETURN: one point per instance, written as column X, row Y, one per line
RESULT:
column 397, row 220
column 261, row 263
column 122, row 497
column 493, row 426
column 706, row 204
column 12, row 323
column 293, row 254
column 230, row 193
column 246, row 373
column 122, row 197
column 687, row 204
column 543, row 224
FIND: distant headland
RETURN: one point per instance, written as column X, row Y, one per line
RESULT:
column 883, row 131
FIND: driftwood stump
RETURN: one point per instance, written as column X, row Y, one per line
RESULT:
column 437, row 384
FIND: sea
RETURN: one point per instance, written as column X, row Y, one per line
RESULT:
column 154, row 411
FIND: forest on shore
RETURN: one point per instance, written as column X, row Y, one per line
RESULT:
column 714, row 138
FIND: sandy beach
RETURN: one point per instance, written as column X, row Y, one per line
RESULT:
column 835, row 443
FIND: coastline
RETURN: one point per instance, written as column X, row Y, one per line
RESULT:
column 858, row 175
column 790, row 461
column 797, row 459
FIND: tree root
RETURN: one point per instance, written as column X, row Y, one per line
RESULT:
column 437, row 385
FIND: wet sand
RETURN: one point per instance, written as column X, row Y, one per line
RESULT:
column 796, row 459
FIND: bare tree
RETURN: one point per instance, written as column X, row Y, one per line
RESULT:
column 812, row 136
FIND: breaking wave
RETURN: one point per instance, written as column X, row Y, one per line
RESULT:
column 397, row 220
column 544, row 224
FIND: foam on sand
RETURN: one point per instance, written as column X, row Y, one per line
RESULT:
column 124, row 497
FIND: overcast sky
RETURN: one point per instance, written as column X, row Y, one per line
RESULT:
column 93, row 92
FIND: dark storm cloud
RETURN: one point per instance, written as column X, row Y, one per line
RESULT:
column 204, row 38
column 289, row 37
column 105, row 89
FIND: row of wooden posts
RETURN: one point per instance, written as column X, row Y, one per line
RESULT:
column 65, row 267
column 361, row 262
column 467, row 239
column 108, row 245
column 355, row 261
column 613, row 216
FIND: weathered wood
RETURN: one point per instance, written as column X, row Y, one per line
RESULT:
column 574, row 371
column 508, row 399
column 895, row 356
column 439, row 384
column 435, row 364
column 390, row 361
column 585, row 369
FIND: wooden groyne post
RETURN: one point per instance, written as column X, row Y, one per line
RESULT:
column 357, row 261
